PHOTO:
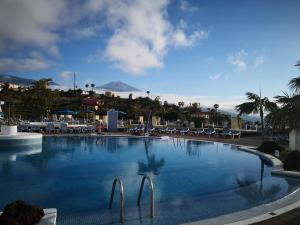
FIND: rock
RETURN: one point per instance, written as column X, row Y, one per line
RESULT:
column 21, row 213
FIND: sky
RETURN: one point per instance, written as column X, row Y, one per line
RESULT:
column 205, row 51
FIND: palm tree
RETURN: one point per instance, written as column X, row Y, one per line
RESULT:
column 180, row 104
column 256, row 104
column 92, row 86
column 216, row 106
column 148, row 93
column 289, row 111
column 87, row 87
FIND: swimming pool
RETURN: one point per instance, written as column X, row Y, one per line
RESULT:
column 192, row 180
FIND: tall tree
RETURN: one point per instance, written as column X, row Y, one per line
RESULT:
column 256, row 104
column 92, row 86
column 87, row 87
column 39, row 98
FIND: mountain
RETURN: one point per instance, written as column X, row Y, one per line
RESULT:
column 252, row 118
column 4, row 78
column 117, row 86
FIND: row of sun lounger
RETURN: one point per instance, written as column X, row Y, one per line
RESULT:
column 226, row 132
column 63, row 128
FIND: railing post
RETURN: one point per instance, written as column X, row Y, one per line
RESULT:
column 146, row 177
column 122, row 204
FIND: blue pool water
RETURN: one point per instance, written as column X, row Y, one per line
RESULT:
column 192, row 179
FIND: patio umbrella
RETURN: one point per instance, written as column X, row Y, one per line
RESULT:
column 64, row 112
column 88, row 111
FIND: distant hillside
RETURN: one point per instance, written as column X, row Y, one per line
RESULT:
column 251, row 118
column 117, row 86
column 4, row 78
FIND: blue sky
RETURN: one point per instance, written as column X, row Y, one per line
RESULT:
column 205, row 51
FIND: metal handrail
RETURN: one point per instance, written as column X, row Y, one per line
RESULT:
column 146, row 177
column 117, row 180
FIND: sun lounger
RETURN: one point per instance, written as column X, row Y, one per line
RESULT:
column 50, row 128
column 226, row 132
column 199, row 131
column 64, row 128
column 162, row 131
column 171, row 130
column 184, row 131
column 235, row 133
column 151, row 130
column 210, row 131
column 138, row 129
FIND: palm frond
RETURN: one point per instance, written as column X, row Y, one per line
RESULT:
column 294, row 83
column 247, row 108
column 270, row 106
column 252, row 96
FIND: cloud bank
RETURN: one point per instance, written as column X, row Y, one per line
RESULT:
column 138, row 33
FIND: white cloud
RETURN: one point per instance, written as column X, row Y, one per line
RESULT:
column 131, row 55
column 186, row 6
column 30, row 22
column 181, row 39
column 24, row 64
column 215, row 77
column 238, row 60
column 66, row 75
column 227, row 103
column 260, row 60
column 42, row 23
column 142, row 35
column 140, row 30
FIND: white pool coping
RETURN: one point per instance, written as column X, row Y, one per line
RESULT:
column 49, row 218
column 20, row 135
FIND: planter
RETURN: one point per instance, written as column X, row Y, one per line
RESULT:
column 294, row 140
column 9, row 130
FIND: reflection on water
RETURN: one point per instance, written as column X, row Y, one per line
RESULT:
column 152, row 165
column 7, row 157
column 254, row 192
column 75, row 174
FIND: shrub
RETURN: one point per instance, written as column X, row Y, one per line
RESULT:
column 269, row 147
column 292, row 161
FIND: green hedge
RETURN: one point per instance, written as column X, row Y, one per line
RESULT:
column 269, row 147
column 292, row 161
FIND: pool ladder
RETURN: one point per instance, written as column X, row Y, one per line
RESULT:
column 122, row 201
